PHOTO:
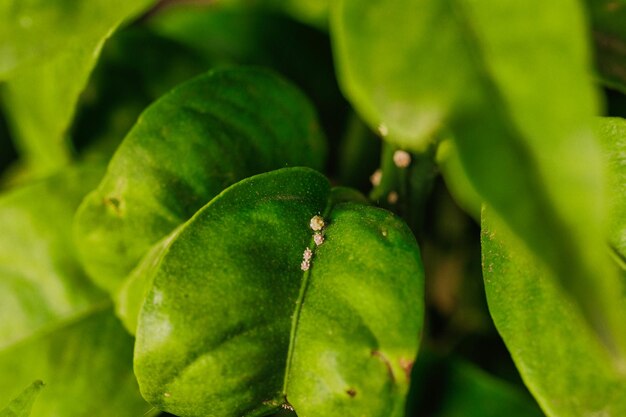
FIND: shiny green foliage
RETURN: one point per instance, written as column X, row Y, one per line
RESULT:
column 519, row 130
column 257, row 313
column 560, row 358
column 203, row 136
column 56, row 326
column 534, row 316
column 162, row 164
column 45, row 78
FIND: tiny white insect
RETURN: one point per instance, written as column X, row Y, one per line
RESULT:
column 376, row 177
column 392, row 197
column 305, row 265
column 287, row 406
column 318, row 238
column 383, row 129
column 401, row 158
column 307, row 255
column 316, row 223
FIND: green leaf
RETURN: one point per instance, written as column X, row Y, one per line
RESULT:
column 609, row 37
column 472, row 392
column 23, row 403
column 576, row 378
column 560, row 358
column 44, row 79
column 136, row 67
column 234, row 33
column 510, row 81
column 187, row 147
column 612, row 131
column 42, row 281
column 238, row 328
column 56, row 325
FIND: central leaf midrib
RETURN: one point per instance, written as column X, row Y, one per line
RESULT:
column 300, row 300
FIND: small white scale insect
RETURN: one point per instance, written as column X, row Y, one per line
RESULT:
column 318, row 238
column 317, row 225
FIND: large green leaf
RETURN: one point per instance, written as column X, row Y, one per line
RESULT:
column 535, row 317
column 612, row 131
column 56, row 326
column 136, row 67
column 203, row 136
column 48, row 49
column 510, row 81
column 238, row 328
column 21, row 405
column 228, row 33
column 559, row 357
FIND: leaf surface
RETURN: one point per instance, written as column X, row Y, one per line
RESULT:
column 612, row 131
column 49, row 49
column 560, row 358
column 535, row 317
column 21, row 405
column 187, row 147
column 55, row 325
column 339, row 337
column 510, row 83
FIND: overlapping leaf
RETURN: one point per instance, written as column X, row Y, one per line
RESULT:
column 559, row 357
column 55, row 325
column 510, row 80
column 203, row 136
column 239, row 328
column 47, row 51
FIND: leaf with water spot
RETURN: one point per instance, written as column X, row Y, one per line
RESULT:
column 21, row 405
column 228, row 301
column 187, row 147
column 509, row 82
column 56, row 325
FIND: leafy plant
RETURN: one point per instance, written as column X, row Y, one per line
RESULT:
column 198, row 218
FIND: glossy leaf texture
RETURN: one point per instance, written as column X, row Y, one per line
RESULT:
column 609, row 38
column 55, row 325
column 21, row 405
column 186, row 148
column 48, row 50
column 463, row 66
column 239, row 328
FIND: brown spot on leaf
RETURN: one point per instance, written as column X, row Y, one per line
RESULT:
column 114, row 203
column 407, row 366
column 385, row 360
column 351, row 392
